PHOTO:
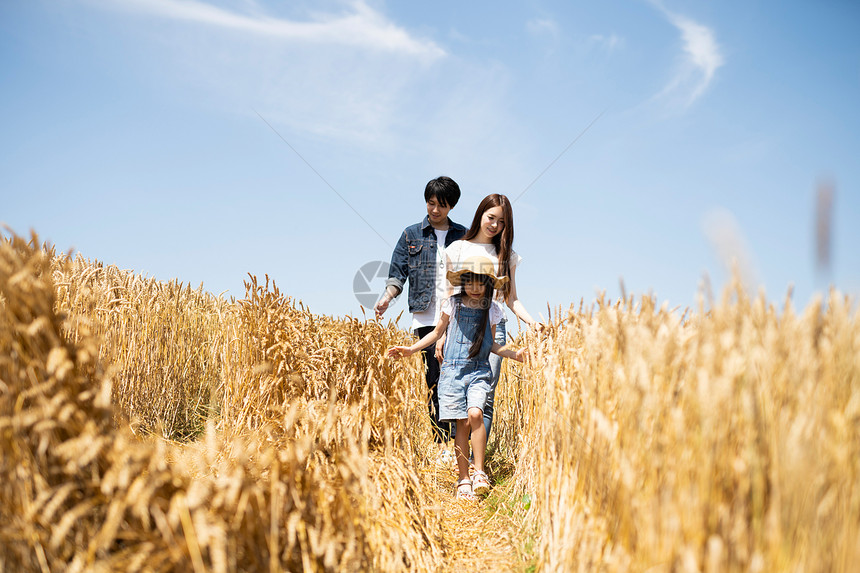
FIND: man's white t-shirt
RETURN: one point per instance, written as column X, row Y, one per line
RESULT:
column 459, row 251
column 430, row 316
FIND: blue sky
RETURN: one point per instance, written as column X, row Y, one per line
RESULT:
column 655, row 141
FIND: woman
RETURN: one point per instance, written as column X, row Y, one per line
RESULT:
column 492, row 235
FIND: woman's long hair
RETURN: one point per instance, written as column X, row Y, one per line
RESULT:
column 486, row 303
column 502, row 241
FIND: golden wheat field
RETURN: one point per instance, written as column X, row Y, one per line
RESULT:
column 149, row 426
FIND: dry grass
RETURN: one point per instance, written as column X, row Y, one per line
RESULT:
column 165, row 342
column 149, row 426
column 729, row 441
column 302, row 488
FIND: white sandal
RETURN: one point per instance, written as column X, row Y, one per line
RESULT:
column 464, row 489
column 480, row 483
column 445, row 459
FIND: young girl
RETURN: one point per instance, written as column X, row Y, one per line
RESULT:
column 468, row 320
column 492, row 236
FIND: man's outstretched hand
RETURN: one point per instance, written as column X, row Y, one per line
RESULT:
column 381, row 306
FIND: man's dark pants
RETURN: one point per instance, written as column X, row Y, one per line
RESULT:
column 441, row 430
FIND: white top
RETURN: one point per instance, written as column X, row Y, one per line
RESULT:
column 459, row 251
column 430, row 316
column 497, row 313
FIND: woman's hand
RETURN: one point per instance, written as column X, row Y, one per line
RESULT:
column 440, row 349
column 399, row 351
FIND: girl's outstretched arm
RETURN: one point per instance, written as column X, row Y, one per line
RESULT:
column 430, row 338
column 505, row 352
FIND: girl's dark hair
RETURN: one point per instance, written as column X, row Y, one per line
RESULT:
column 502, row 241
column 444, row 189
column 486, row 302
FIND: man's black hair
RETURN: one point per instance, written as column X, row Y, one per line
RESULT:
column 444, row 189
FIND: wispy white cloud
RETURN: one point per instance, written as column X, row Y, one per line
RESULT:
column 427, row 108
column 542, row 26
column 545, row 29
column 346, row 75
column 609, row 43
column 362, row 27
column 702, row 58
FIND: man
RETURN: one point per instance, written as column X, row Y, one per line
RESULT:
column 419, row 258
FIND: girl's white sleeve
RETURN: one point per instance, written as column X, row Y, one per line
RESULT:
column 496, row 313
column 446, row 306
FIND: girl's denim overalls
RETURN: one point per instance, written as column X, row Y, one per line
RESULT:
column 464, row 382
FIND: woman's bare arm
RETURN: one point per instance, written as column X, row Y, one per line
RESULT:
column 516, row 305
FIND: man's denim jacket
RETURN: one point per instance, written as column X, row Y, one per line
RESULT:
column 414, row 258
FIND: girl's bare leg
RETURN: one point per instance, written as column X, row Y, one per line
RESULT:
column 479, row 436
column 461, row 447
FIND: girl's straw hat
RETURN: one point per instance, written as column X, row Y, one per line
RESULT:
column 477, row 266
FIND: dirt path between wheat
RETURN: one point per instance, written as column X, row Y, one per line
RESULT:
column 477, row 538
